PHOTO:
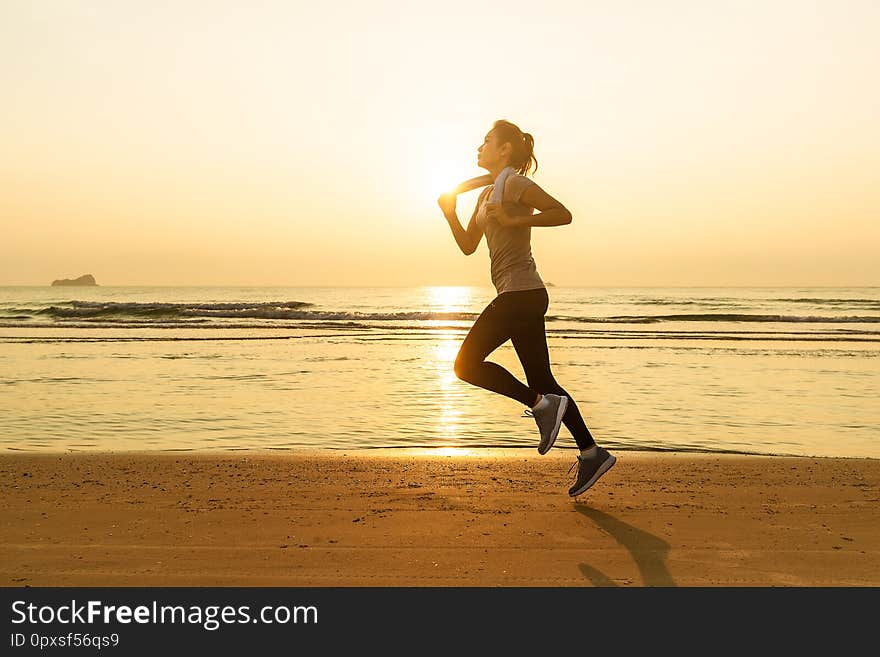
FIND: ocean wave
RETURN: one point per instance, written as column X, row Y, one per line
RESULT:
column 155, row 313
column 825, row 299
column 313, row 315
column 722, row 317
column 109, row 309
column 732, row 302
column 398, row 332
column 671, row 301
column 870, row 304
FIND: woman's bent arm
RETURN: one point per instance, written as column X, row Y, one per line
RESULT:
column 469, row 239
column 462, row 238
column 550, row 211
column 554, row 217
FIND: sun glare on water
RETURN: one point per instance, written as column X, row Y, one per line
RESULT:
column 449, row 298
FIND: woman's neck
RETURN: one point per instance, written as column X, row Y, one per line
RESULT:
column 496, row 171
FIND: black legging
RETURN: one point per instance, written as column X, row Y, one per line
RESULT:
column 518, row 316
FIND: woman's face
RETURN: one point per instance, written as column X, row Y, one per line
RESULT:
column 491, row 154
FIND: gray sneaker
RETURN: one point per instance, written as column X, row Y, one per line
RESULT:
column 590, row 469
column 549, row 419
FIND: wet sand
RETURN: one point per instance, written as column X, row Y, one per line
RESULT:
column 414, row 518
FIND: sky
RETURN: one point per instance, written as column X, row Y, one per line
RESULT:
column 708, row 142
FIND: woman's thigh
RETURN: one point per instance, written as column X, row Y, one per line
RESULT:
column 508, row 315
column 490, row 330
column 530, row 343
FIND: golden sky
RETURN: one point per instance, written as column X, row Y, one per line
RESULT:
column 305, row 143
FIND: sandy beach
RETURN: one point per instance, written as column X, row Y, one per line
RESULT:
column 415, row 518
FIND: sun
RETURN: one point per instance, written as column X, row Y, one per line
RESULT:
column 432, row 158
column 442, row 175
column 440, row 156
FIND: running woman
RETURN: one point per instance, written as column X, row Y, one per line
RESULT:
column 504, row 214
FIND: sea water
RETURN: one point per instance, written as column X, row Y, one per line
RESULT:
column 746, row 370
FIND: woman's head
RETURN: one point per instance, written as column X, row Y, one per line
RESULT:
column 506, row 145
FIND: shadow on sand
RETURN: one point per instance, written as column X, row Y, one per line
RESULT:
column 648, row 551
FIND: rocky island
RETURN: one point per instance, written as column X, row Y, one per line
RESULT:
column 87, row 279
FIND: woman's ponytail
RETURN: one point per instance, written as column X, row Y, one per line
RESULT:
column 522, row 156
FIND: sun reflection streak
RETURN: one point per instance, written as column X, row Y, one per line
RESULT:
column 446, row 351
column 448, row 300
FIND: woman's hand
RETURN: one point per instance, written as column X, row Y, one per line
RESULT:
column 447, row 203
column 495, row 212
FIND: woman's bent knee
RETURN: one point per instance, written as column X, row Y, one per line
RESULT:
column 463, row 369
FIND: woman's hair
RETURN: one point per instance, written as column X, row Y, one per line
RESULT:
column 523, row 153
